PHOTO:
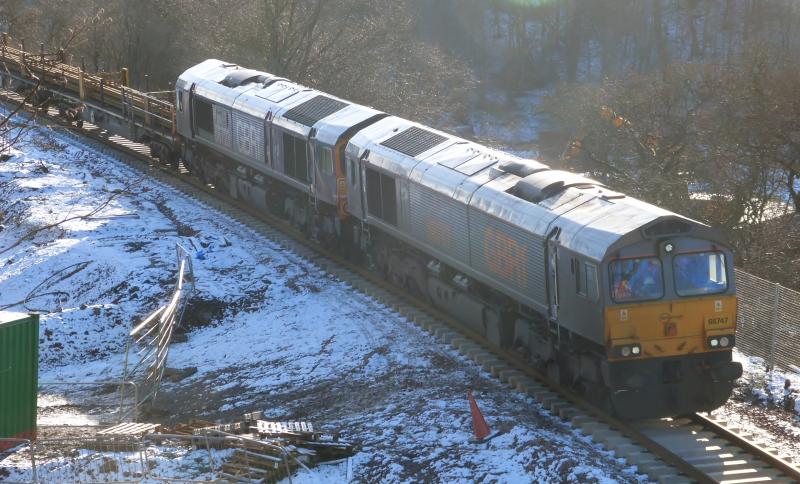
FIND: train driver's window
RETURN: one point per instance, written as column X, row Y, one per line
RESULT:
column 700, row 273
column 636, row 279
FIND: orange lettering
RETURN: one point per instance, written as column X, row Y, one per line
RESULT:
column 438, row 233
column 505, row 257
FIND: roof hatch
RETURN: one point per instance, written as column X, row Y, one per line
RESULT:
column 544, row 184
column 522, row 168
column 241, row 77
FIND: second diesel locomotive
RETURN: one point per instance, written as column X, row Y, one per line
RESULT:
column 633, row 305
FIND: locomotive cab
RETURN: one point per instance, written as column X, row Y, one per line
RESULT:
column 670, row 321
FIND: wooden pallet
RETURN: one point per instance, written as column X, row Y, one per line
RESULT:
column 129, row 430
column 276, row 429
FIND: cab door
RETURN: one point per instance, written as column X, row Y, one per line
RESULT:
column 355, row 200
column 552, row 273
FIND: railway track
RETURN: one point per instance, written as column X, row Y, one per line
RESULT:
column 691, row 449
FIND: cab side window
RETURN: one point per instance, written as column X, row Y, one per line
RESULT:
column 324, row 159
column 295, row 161
column 381, row 196
column 353, row 171
column 204, row 115
column 586, row 280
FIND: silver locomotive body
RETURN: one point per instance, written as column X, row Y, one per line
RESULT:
column 524, row 254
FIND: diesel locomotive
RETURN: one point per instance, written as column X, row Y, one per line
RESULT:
column 629, row 303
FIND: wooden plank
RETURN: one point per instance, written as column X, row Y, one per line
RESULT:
column 129, row 429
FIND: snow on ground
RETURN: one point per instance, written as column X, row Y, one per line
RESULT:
column 757, row 406
column 267, row 330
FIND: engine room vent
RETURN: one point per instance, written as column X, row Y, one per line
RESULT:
column 241, row 77
column 522, row 168
column 545, row 184
column 413, row 141
column 316, row 108
column 667, row 227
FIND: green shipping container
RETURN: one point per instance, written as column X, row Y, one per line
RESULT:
column 19, row 376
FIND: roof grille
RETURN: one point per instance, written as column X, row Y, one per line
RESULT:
column 413, row 141
column 316, row 108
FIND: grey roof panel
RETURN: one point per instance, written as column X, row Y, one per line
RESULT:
column 477, row 164
column 454, row 155
column 280, row 91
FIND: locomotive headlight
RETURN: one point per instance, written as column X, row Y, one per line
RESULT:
column 721, row 341
column 627, row 350
column 668, row 248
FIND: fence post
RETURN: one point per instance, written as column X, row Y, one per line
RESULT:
column 776, row 303
column 34, row 474
column 81, row 86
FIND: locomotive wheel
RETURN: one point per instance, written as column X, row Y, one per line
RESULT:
column 554, row 371
column 199, row 174
column 221, row 185
column 522, row 350
column 380, row 262
column 598, row 395
column 413, row 288
column 156, row 151
column 395, row 271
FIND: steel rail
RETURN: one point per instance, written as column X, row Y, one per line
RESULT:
column 791, row 471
